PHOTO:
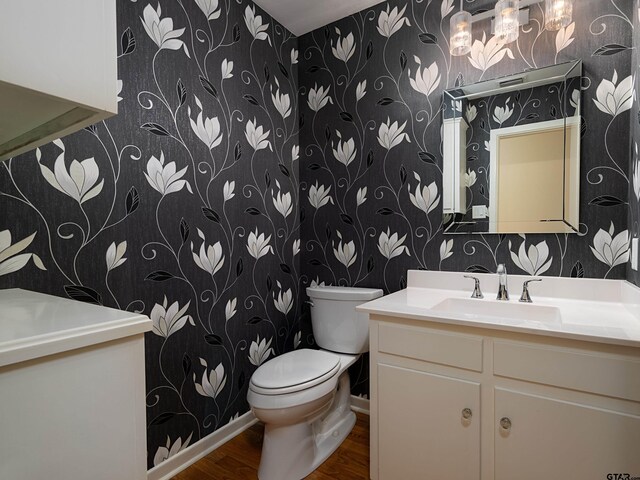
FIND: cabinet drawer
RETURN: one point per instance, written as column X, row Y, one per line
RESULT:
column 445, row 348
column 593, row 372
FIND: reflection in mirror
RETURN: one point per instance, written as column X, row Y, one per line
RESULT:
column 511, row 153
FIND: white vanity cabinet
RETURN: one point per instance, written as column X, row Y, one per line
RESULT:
column 458, row 402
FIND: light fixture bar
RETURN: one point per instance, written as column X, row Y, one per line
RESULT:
column 478, row 17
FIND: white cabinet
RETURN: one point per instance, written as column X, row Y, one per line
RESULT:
column 72, row 390
column 539, row 408
column 550, row 438
column 422, row 418
column 58, row 70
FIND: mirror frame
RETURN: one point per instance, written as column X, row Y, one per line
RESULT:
column 454, row 163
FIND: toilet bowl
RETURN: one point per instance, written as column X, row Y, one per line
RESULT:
column 303, row 397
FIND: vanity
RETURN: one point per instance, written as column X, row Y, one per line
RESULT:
column 72, row 390
column 468, row 388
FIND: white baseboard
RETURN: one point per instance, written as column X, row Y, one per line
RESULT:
column 360, row 404
column 174, row 465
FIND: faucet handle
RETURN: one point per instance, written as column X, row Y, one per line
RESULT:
column 526, row 298
column 477, row 293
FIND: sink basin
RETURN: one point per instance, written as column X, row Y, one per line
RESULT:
column 476, row 308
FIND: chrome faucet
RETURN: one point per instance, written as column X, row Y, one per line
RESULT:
column 503, row 293
column 477, row 293
column 526, row 297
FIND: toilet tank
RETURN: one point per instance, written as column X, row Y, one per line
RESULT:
column 336, row 324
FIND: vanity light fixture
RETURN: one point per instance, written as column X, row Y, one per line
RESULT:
column 507, row 23
column 557, row 13
column 507, row 18
column 460, row 31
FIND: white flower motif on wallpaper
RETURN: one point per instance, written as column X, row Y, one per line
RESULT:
column 318, row 98
column 226, row 68
column 564, row 37
column 611, row 249
column 392, row 134
column 344, row 47
column 345, row 152
column 427, row 81
column 161, row 30
column 115, row 255
column 281, row 101
column 471, row 113
column 319, row 195
column 390, row 245
column 230, row 308
column 11, row 260
column 534, row 260
column 79, row 182
column 164, row 178
column 255, row 25
column 258, row 245
column 294, row 56
column 256, row 136
column 424, row 198
column 390, row 21
column 485, row 54
column 502, row 114
column 171, row 449
column 228, row 190
column 361, row 196
column 260, row 351
column 210, row 259
column 613, row 97
column 206, row 129
column 470, row 178
column 209, row 8
column 345, row 252
column 283, row 203
column 361, row 90
column 212, row 383
column 446, row 249
column 167, row 320
column 284, row 301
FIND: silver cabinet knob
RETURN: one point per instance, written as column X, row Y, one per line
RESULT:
column 467, row 413
column 505, row 423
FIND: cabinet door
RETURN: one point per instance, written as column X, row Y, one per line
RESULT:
column 551, row 439
column 422, row 433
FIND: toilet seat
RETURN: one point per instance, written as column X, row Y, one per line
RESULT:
column 295, row 371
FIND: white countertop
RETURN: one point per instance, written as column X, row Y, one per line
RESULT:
column 602, row 311
column 33, row 325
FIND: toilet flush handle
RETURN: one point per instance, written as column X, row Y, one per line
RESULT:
column 310, row 302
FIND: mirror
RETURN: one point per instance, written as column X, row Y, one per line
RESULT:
column 511, row 153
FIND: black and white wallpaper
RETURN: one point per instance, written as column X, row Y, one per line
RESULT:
column 634, row 158
column 246, row 164
column 184, row 207
column 371, row 169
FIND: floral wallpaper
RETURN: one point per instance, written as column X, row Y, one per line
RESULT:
column 634, row 159
column 246, row 164
column 371, row 169
column 184, row 207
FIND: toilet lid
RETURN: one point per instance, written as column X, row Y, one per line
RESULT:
column 295, row 371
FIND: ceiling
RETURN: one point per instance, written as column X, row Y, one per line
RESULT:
column 304, row 16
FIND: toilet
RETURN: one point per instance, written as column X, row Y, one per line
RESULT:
column 303, row 397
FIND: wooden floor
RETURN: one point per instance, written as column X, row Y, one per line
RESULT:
column 239, row 458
